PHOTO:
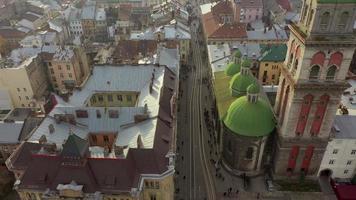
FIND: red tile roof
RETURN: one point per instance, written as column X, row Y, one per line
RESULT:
column 237, row 30
column 285, row 4
column 251, row 4
column 11, row 33
column 345, row 192
column 30, row 17
column 222, row 7
column 215, row 30
column 127, row 51
column 213, row 27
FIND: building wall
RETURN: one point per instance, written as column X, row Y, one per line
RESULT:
column 25, row 84
column 75, row 28
column 296, row 132
column 38, row 79
column 105, row 139
column 235, row 150
column 88, row 27
column 5, row 151
column 29, row 194
column 162, row 189
column 101, row 33
column 269, row 72
column 252, row 14
column 95, row 100
column 17, row 82
column 76, row 69
column 184, row 50
column 62, row 71
column 340, row 158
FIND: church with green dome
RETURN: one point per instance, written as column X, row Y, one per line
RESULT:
column 234, row 67
column 247, row 125
column 246, row 118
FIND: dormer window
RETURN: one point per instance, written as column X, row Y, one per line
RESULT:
column 324, row 22
column 344, row 17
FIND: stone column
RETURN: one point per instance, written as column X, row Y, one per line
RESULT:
column 262, row 147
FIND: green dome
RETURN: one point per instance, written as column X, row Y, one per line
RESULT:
column 240, row 82
column 232, row 69
column 238, row 53
column 250, row 119
column 246, row 63
column 253, row 89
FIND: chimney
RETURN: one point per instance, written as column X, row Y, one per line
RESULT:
column 140, row 117
column 42, row 139
column 51, row 128
column 151, row 88
column 145, row 108
column 139, row 142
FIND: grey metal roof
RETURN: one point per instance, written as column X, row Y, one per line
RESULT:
column 5, row 100
column 10, row 132
column 277, row 34
column 106, row 79
column 345, row 127
column 100, row 14
column 250, row 50
column 88, row 12
column 169, row 58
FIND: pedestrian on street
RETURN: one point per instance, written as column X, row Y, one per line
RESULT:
column 182, row 158
column 184, row 177
column 237, row 191
column 258, row 195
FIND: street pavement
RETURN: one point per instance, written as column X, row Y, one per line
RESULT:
column 197, row 174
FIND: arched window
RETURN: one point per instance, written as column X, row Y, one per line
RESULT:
column 33, row 196
column 280, row 96
column 303, row 114
column 284, row 105
column 324, row 21
column 314, row 72
column 295, row 65
column 319, row 115
column 290, row 60
column 336, row 59
column 304, row 12
column 344, row 17
column 310, row 17
column 229, row 146
column 249, row 153
column 330, row 74
column 318, row 59
column 297, row 56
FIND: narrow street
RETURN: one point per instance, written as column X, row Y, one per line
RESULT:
column 196, row 145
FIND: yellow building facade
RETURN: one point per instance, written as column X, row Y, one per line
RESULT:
column 25, row 83
column 269, row 72
column 270, row 64
column 114, row 99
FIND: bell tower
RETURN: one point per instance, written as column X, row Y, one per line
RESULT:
column 320, row 50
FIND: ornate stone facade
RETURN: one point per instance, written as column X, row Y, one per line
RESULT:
column 320, row 50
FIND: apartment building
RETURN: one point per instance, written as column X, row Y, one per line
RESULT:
column 67, row 69
column 25, row 82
